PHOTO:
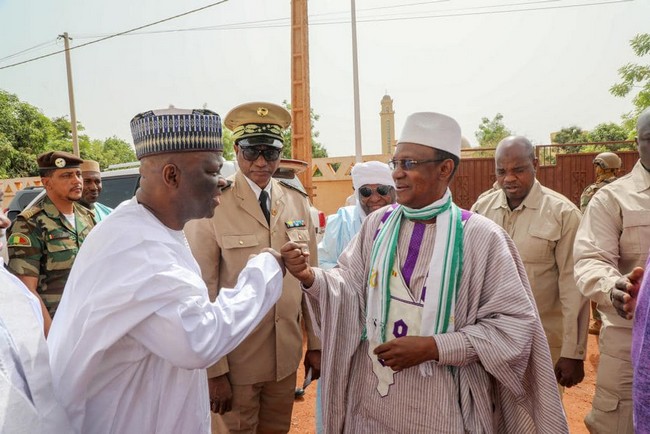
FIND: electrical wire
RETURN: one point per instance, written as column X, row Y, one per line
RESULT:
column 284, row 22
column 117, row 34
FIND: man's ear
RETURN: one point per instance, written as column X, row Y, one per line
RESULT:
column 446, row 169
column 171, row 175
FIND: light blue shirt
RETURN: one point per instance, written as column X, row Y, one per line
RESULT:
column 339, row 231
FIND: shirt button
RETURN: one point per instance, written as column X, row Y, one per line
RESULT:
column 241, row 242
column 277, row 319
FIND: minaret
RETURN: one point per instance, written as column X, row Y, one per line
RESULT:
column 387, row 116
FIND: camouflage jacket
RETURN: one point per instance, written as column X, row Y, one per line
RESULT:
column 43, row 244
column 589, row 192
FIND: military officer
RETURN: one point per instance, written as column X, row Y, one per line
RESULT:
column 607, row 165
column 45, row 238
column 252, row 389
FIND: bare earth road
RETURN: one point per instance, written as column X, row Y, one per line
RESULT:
column 577, row 400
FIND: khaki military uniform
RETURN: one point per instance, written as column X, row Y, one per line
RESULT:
column 43, row 244
column 613, row 238
column 270, row 355
column 543, row 228
column 590, row 190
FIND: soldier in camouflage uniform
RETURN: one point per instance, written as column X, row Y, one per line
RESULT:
column 607, row 165
column 44, row 240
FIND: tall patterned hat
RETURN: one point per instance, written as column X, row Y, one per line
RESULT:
column 258, row 123
column 176, row 130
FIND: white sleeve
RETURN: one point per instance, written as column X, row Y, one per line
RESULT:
column 193, row 333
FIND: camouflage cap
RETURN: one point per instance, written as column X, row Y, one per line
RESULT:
column 176, row 130
column 258, row 123
column 608, row 160
column 58, row 160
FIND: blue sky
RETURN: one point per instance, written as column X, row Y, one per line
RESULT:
column 544, row 68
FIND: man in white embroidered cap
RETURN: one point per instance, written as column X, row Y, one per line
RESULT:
column 253, row 388
column 136, row 329
column 428, row 322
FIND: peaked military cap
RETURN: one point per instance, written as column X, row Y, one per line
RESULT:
column 258, row 123
column 176, row 130
column 58, row 160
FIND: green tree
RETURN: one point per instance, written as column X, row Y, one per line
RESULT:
column 491, row 132
column 572, row 134
column 228, row 145
column 635, row 76
column 317, row 149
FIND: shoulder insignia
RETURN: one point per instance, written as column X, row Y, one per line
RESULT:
column 291, row 187
column 31, row 212
column 19, row 240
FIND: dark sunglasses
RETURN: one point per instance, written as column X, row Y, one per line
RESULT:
column 252, row 154
column 382, row 190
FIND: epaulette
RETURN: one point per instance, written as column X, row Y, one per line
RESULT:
column 31, row 212
column 291, row 187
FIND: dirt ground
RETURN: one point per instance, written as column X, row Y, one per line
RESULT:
column 577, row 400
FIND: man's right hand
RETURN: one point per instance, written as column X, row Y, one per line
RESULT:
column 625, row 292
column 220, row 394
column 296, row 259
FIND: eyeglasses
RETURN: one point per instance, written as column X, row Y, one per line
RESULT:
column 381, row 190
column 410, row 164
column 252, row 154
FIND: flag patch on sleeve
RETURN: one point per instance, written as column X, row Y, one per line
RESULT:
column 19, row 240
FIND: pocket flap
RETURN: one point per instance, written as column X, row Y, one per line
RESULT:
column 239, row 241
column 637, row 217
column 298, row 235
column 605, row 401
column 545, row 230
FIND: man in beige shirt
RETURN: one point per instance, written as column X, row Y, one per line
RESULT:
column 543, row 224
column 613, row 239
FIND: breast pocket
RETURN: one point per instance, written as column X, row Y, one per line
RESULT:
column 540, row 244
column 635, row 238
column 298, row 235
column 240, row 241
column 62, row 249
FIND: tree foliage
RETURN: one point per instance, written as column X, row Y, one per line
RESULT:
column 635, row 78
column 317, row 149
column 491, row 132
column 26, row 132
column 603, row 132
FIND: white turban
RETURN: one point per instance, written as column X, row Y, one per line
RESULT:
column 371, row 172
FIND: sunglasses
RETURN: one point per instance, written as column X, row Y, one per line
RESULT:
column 252, row 154
column 409, row 164
column 382, row 190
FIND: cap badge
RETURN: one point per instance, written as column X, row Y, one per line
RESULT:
column 262, row 111
column 59, row 162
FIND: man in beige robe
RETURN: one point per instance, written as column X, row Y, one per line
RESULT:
column 543, row 225
column 401, row 360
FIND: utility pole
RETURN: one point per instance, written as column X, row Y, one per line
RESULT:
column 73, row 114
column 355, row 78
column 300, row 98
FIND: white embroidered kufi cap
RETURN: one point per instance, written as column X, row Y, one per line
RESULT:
column 371, row 172
column 434, row 130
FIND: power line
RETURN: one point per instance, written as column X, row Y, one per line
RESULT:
column 117, row 34
column 282, row 22
column 46, row 43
